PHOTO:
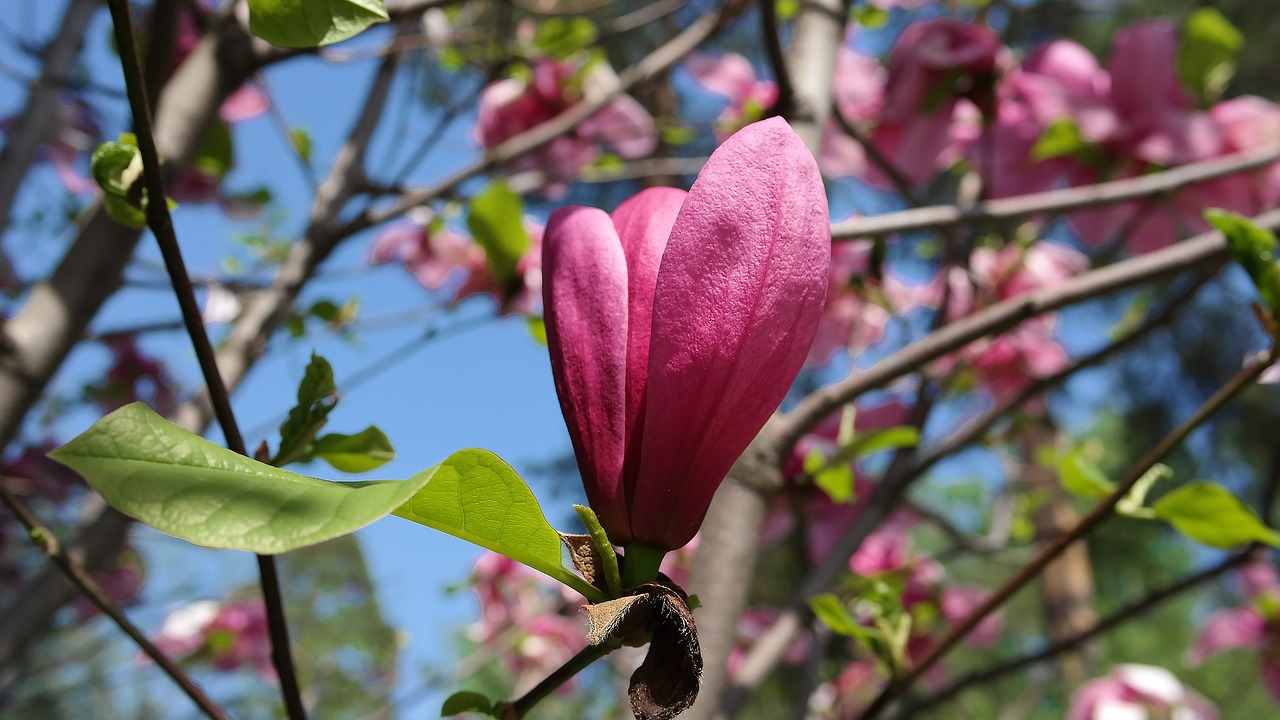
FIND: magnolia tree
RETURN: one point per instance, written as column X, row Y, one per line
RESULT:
column 863, row 319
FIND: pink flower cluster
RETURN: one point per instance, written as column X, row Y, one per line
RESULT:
column 440, row 257
column 1005, row 364
column 228, row 636
column 515, row 105
column 524, row 618
column 1256, row 625
column 1139, row 692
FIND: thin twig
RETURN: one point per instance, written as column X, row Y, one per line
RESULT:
column 1203, row 252
column 1055, row 201
column 770, row 30
column 520, row 706
column 1129, row 612
column 656, row 62
column 1100, row 513
column 161, row 225
column 44, row 539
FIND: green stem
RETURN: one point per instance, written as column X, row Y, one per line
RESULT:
column 640, row 564
column 519, row 707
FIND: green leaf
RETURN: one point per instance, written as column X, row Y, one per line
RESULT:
column 362, row 452
column 1131, row 504
column 831, row 611
column 316, row 399
column 184, row 485
column 604, row 548
column 1255, row 249
column 538, row 329
column 1207, row 55
column 124, row 212
column 309, row 23
column 1061, row 138
column 475, row 496
column 677, row 133
column 874, row 441
column 870, row 16
column 496, row 224
column 116, row 165
column 216, row 152
column 837, row 482
column 1209, row 514
column 1079, row 476
column 560, row 37
column 301, row 142
column 466, row 701
column 787, row 9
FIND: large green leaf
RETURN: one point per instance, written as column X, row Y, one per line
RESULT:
column 1209, row 514
column 308, row 23
column 475, row 496
column 186, row 486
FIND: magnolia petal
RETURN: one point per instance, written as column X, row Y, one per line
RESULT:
column 625, row 126
column 1229, row 629
column 585, row 301
column 737, row 303
column 643, row 223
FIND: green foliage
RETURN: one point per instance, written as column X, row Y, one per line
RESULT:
column 1207, row 55
column 1209, row 514
column 184, row 485
column 1255, row 249
column 466, row 701
column 475, row 496
column 216, row 153
column 831, row 611
column 870, row 16
column 496, row 224
column 317, row 396
column 310, row 23
column 301, row 141
column 1061, row 138
column 1079, row 476
column 366, row 450
column 116, row 166
column 560, row 37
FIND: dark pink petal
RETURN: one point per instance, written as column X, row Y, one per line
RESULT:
column 737, row 303
column 585, row 300
column 643, row 223
column 1229, row 629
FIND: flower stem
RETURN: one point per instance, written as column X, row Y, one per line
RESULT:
column 640, row 564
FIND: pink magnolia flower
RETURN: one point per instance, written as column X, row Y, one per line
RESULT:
column 941, row 82
column 437, row 258
column 857, row 90
column 1139, row 692
column 677, row 324
column 524, row 618
column 229, row 636
column 1254, row 626
column 512, row 106
column 244, row 103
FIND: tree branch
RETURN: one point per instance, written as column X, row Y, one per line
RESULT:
column 31, row 129
column 44, row 539
column 1055, row 201
column 1101, row 512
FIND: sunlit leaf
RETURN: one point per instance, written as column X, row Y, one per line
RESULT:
column 496, row 224
column 309, row 23
column 184, row 485
column 317, row 396
column 831, row 611
column 1255, row 249
column 1209, row 514
column 475, row 496
column 1081, row 477
column 1207, row 54
column 366, row 450
column 560, row 37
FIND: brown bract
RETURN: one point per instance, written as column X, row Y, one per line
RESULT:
column 658, row 613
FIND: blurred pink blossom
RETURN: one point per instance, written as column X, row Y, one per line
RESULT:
column 1254, row 626
column 1139, row 692
column 229, row 636
column 514, row 105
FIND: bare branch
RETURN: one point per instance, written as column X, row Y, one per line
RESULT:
column 1056, row 201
